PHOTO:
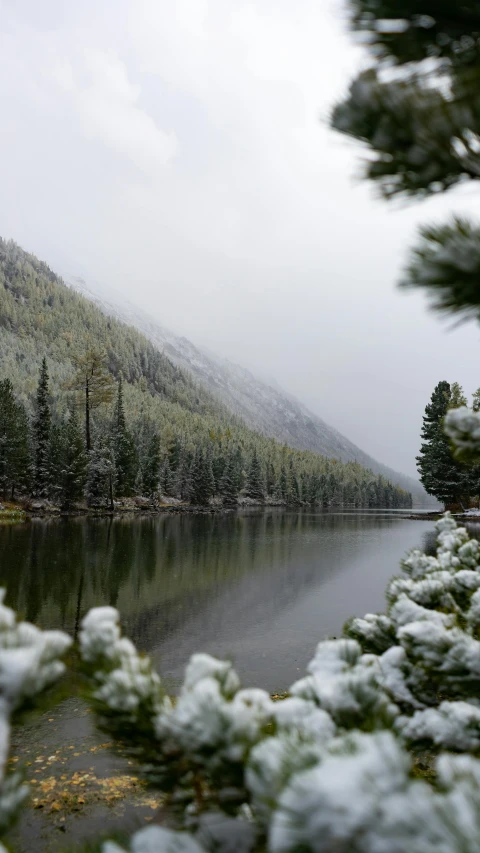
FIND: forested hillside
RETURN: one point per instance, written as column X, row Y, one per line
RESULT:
column 147, row 427
column 264, row 408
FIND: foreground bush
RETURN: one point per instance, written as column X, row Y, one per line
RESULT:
column 327, row 769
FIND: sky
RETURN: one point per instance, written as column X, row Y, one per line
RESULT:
column 178, row 152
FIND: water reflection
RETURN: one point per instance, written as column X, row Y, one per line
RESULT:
column 262, row 588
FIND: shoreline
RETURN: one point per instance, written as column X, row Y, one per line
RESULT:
column 17, row 513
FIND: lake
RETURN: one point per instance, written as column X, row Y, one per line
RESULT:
column 259, row 588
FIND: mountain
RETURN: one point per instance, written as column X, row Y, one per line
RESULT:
column 167, row 433
column 264, row 408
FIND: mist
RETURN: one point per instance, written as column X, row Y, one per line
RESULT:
column 180, row 155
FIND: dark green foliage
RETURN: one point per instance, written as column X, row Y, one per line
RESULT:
column 101, row 475
column 412, row 30
column 282, row 484
column 151, row 466
column 202, row 480
column 440, row 474
column 446, row 263
column 124, row 450
column 228, row 484
column 255, row 487
column 293, row 488
column 15, row 462
column 421, row 126
column 41, row 436
column 73, row 472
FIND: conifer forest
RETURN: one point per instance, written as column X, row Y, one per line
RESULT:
column 91, row 411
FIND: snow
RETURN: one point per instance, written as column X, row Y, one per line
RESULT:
column 453, row 725
column 127, row 684
column 157, row 839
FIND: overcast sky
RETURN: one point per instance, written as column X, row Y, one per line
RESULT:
column 178, row 151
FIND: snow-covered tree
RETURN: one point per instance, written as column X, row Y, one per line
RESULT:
column 124, row 449
column 440, row 474
column 41, row 430
column 255, row 487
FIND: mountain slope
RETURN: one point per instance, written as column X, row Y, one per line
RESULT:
column 200, row 447
column 265, row 409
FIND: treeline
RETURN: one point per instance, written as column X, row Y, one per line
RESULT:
column 53, row 455
column 146, row 428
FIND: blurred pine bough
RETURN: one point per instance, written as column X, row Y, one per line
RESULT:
column 416, row 110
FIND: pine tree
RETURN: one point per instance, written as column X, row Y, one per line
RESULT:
column 202, row 480
column 151, row 466
column 293, row 489
column 55, row 461
column 124, row 450
column 73, row 473
column 101, row 475
column 282, row 485
column 228, row 487
column 41, row 430
column 255, row 488
column 457, row 397
column 440, row 474
column 94, row 382
column 21, row 469
column 270, row 479
column 14, row 443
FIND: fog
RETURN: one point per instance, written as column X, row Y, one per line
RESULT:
column 179, row 152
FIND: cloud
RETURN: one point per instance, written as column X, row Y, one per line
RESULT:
column 109, row 110
column 177, row 151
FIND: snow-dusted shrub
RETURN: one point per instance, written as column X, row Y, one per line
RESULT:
column 127, row 686
column 29, row 661
column 347, row 685
column 453, row 725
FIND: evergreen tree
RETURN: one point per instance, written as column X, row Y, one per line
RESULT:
column 202, row 480
column 94, row 382
column 21, row 466
column 73, row 473
column 168, row 480
column 441, row 475
column 293, row 488
column 55, row 461
column 228, row 486
column 151, row 466
column 41, row 430
column 457, row 397
column 14, row 443
column 270, row 479
column 101, row 475
column 255, row 488
column 282, row 485
column 124, row 450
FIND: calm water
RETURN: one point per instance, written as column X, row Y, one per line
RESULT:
column 261, row 589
